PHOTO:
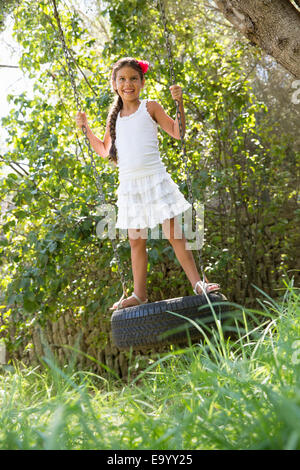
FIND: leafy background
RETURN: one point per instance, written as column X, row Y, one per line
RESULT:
column 243, row 148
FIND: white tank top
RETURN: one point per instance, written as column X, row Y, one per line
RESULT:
column 137, row 144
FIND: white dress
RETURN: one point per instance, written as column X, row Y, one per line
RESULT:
column 147, row 195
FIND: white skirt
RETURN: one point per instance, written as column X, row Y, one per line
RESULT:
column 147, row 201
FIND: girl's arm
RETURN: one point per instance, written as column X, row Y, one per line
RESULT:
column 168, row 124
column 100, row 147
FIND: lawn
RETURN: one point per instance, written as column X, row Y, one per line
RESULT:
column 237, row 389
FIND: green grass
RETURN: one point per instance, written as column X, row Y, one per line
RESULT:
column 241, row 392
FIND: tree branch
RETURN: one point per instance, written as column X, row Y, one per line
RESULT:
column 9, row 66
column 272, row 25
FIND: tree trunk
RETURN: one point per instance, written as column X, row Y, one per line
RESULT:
column 273, row 25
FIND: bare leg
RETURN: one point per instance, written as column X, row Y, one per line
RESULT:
column 185, row 257
column 139, row 259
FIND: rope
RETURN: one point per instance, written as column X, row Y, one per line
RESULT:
column 70, row 62
column 178, row 113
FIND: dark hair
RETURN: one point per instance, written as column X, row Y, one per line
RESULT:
column 118, row 103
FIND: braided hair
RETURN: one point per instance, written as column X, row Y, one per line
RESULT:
column 118, row 103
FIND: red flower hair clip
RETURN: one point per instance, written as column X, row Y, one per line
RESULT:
column 144, row 65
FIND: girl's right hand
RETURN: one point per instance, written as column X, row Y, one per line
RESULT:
column 81, row 119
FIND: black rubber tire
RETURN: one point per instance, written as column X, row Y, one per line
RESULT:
column 144, row 325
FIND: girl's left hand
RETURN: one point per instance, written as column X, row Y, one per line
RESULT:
column 176, row 92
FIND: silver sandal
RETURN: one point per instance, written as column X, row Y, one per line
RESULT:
column 206, row 287
column 119, row 303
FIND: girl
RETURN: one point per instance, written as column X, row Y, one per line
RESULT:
column 147, row 195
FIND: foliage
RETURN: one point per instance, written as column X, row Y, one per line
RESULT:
column 52, row 260
column 238, row 393
column 6, row 7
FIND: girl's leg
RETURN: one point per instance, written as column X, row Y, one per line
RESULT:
column 172, row 232
column 139, row 259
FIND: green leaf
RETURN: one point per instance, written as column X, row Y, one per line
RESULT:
column 29, row 305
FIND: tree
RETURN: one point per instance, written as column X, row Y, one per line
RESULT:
column 273, row 25
column 6, row 7
column 57, row 275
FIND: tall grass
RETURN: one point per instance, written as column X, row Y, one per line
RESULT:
column 236, row 389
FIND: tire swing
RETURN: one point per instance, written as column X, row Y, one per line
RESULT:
column 172, row 321
column 165, row 321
